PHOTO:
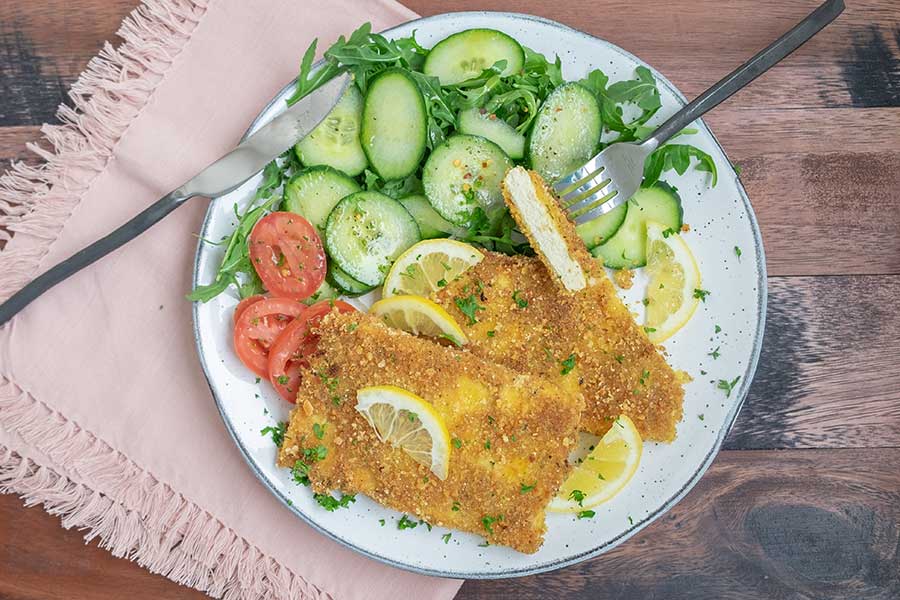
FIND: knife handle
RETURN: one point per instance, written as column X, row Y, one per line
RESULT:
column 127, row 232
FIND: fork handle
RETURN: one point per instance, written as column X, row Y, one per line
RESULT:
column 750, row 70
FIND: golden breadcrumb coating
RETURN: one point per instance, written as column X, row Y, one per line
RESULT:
column 523, row 320
column 512, row 429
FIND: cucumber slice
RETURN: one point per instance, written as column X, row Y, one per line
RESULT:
column 565, row 133
column 603, row 227
column 466, row 54
column 335, row 141
column 477, row 121
column 366, row 232
column 326, row 291
column 394, row 124
column 627, row 249
column 314, row 192
column 431, row 224
column 339, row 279
column 462, row 175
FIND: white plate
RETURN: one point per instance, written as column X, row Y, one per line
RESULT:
column 720, row 219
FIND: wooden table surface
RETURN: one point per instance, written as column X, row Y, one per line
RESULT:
column 804, row 500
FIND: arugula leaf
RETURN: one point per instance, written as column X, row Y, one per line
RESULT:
column 677, row 157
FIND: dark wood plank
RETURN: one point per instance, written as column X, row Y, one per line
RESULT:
column 44, row 46
column 761, row 525
column 41, row 560
column 828, row 373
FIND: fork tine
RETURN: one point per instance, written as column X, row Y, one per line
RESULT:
column 584, row 193
column 597, row 208
column 576, row 177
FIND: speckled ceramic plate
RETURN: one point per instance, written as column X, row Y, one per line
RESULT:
column 730, row 321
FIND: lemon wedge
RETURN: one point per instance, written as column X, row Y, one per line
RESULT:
column 408, row 422
column 428, row 266
column 419, row 316
column 674, row 276
column 604, row 472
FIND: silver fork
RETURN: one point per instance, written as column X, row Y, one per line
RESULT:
column 610, row 178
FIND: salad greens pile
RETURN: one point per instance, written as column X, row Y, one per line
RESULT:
column 626, row 107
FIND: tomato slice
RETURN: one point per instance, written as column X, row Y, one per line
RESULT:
column 288, row 256
column 288, row 356
column 243, row 304
column 257, row 328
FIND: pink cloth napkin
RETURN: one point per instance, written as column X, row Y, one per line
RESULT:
column 105, row 417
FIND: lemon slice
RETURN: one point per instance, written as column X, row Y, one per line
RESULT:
column 419, row 316
column 674, row 276
column 428, row 266
column 408, row 422
column 604, row 472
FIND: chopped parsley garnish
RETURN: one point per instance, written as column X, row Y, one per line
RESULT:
column 283, row 379
column 601, row 477
column 488, row 522
column 645, row 375
column 257, row 380
column 468, row 306
column 487, row 444
column 586, row 514
column 649, row 329
column 426, row 524
column 455, row 507
column 331, row 504
column 567, row 365
column 412, row 416
column 318, row 430
column 300, row 472
column 484, row 544
column 491, row 333
column 701, row 294
column 457, row 443
column 352, row 326
column 718, row 329
column 381, row 521
column 619, row 358
column 276, row 432
column 549, row 354
column 737, row 252
column 668, row 231
column 315, row 453
column 646, row 301
column 520, row 302
column 577, row 495
column 630, row 520
column 700, row 416
column 446, row 538
column 441, row 282
column 406, row 523
column 524, row 489
column 728, row 386
column 715, row 353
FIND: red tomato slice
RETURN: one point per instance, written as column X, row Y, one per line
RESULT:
column 288, row 356
column 243, row 304
column 257, row 328
column 287, row 254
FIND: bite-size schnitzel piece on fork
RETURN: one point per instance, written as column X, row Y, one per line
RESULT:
column 509, row 433
column 559, row 316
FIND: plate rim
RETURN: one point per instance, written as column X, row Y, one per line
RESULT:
column 731, row 417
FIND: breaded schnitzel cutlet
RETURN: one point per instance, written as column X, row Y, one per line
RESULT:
column 567, row 323
column 513, row 430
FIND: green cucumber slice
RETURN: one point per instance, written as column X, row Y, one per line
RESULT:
column 466, row 54
column 345, row 284
column 326, row 291
column 463, row 175
column 394, row 124
column 366, row 232
column 431, row 224
column 314, row 192
column 565, row 133
column 627, row 249
column 335, row 141
column 477, row 121
column 603, row 227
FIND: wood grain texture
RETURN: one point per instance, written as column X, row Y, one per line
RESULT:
column 817, row 142
column 760, row 525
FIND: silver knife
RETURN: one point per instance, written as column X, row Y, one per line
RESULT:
column 221, row 177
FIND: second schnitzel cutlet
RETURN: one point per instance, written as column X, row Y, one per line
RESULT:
column 511, row 432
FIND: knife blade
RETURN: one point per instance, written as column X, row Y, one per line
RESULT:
column 221, row 177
